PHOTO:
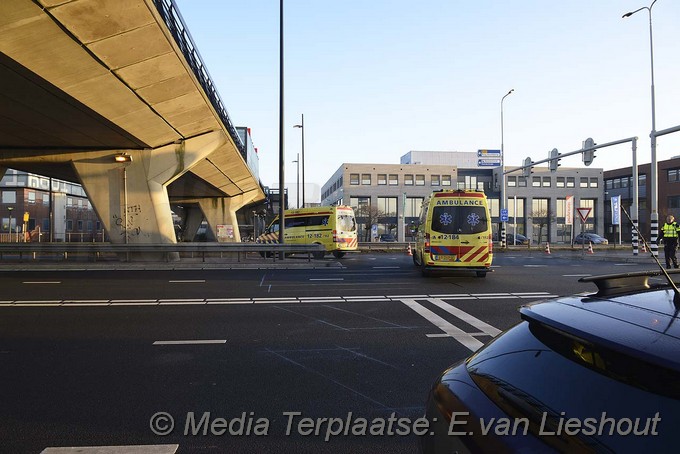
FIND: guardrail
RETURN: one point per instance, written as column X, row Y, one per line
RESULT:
column 102, row 251
column 175, row 23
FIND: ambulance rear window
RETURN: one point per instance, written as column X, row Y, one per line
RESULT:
column 459, row 219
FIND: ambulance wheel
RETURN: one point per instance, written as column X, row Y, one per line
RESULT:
column 481, row 273
column 318, row 255
column 338, row 254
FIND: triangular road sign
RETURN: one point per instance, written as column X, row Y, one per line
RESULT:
column 583, row 213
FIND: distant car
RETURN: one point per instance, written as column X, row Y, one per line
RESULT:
column 603, row 364
column 516, row 239
column 387, row 237
column 585, row 238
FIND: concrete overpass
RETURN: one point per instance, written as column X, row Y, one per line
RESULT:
column 86, row 81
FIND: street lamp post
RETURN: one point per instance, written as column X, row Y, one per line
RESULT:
column 503, row 204
column 302, row 130
column 10, row 222
column 654, row 216
column 297, row 184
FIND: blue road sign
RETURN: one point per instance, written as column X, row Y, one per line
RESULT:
column 504, row 215
column 488, row 153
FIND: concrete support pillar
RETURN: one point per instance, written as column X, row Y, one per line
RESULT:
column 222, row 211
column 131, row 198
column 192, row 216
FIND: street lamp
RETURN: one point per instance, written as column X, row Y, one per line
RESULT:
column 10, row 222
column 502, row 204
column 302, row 130
column 125, row 159
column 297, row 185
column 654, row 217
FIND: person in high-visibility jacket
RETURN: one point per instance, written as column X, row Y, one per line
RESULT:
column 669, row 235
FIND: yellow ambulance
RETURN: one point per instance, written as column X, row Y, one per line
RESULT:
column 334, row 227
column 454, row 233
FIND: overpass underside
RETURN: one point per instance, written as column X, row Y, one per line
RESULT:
column 89, row 81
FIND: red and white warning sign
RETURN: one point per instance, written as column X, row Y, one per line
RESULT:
column 583, row 213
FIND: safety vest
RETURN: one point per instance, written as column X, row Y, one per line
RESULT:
column 670, row 230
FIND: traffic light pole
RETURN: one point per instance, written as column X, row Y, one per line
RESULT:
column 556, row 156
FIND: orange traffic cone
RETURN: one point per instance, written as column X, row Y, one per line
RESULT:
column 409, row 249
column 590, row 248
column 644, row 249
column 547, row 248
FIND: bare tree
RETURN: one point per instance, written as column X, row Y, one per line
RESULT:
column 368, row 215
column 542, row 219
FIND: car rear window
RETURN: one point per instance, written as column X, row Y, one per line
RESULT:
column 547, row 377
column 459, row 219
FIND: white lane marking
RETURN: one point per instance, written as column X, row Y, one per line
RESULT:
column 458, row 334
column 192, row 342
column 181, row 303
column 328, row 279
column 188, row 281
column 132, row 449
column 484, row 327
column 41, row 282
column 328, row 298
column 280, row 300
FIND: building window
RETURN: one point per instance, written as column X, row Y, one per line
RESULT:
column 69, row 225
column 512, row 182
column 80, row 225
column 559, row 182
column 546, row 182
column 31, row 197
column 446, row 180
column 46, row 199
column 642, row 179
column 408, row 180
column 583, row 182
column 394, row 180
column 413, row 206
column 434, row 180
column 571, row 182
column 387, row 206
column 382, row 179
column 353, row 178
column 420, row 180
column 366, row 179
column 674, row 202
column 673, row 175
column 9, row 197
column 522, row 182
column 536, row 182
column 594, row 183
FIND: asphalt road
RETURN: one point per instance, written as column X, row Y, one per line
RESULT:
column 250, row 360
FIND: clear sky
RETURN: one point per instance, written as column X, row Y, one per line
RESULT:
column 378, row 78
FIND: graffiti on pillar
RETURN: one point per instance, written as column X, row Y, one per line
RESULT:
column 131, row 227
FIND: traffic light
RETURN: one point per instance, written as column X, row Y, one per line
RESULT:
column 527, row 169
column 588, row 155
column 554, row 160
